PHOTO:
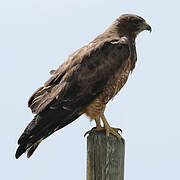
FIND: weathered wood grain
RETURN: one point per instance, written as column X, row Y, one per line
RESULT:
column 105, row 157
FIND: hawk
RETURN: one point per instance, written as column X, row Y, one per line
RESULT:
column 84, row 83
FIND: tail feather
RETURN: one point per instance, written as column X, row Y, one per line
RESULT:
column 40, row 128
column 20, row 150
column 31, row 150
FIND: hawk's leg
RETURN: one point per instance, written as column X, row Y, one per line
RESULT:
column 98, row 123
column 97, row 128
column 109, row 129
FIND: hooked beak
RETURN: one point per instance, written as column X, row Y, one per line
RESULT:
column 147, row 27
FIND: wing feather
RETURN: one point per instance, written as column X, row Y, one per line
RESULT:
column 86, row 66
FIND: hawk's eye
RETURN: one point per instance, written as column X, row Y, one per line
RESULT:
column 136, row 22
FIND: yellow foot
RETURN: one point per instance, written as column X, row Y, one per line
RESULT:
column 110, row 129
column 114, row 131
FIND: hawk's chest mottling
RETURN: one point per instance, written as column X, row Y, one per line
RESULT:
column 113, row 86
column 116, row 83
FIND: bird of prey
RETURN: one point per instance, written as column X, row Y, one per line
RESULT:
column 84, row 83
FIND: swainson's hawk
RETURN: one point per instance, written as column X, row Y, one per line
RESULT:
column 84, row 83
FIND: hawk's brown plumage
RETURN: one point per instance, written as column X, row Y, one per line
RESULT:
column 87, row 80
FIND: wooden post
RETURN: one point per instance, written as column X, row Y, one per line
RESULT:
column 105, row 157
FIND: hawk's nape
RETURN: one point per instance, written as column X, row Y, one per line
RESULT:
column 84, row 83
column 65, row 95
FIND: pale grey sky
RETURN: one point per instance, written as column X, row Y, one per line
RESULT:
column 38, row 35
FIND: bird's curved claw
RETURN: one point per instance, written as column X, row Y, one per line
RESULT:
column 94, row 129
column 118, row 129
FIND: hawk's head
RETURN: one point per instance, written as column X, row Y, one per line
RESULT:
column 132, row 24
